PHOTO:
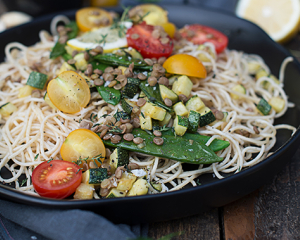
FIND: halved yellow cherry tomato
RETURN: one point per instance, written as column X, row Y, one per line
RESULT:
column 154, row 15
column 185, row 64
column 170, row 28
column 81, row 144
column 69, row 92
column 92, row 17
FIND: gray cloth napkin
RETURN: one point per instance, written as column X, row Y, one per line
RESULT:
column 18, row 221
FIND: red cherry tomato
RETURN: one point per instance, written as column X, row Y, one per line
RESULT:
column 199, row 34
column 56, row 179
column 140, row 37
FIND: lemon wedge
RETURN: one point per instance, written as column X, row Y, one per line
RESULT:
column 106, row 37
column 280, row 18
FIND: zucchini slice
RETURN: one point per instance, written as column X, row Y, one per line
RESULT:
column 126, row 182
column 168, row 93
column 140, row 187
column 180, row 125
column 37, row 80
column 115, row 193
column 194, row 103
column 206, row 116
column 166, row 120
column 154, row 111
column 145, row 122
column 194, row 120
column 180, row 109
column 277, row 103
column 238, row 88
column 7, row 109
column 263, row 106
column 119, row 157
column 156, row 186
column 183, row 85
column 94, row 176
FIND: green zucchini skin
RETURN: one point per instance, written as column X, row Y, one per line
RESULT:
column 206, row 118
column 264, row 107
column 176, row 148
column 134, row 81
column 97, row 175
column 194, row 120
column 126, row 107
column 130, row 90
column 37, row 80
column 123, row 157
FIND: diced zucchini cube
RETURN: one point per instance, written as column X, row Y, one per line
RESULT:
column 37, row 80
column 194, row 120
column 140, row 187
column 145, row 122
column 154, row 111
column 277, row 104
column 173, row 79
column 94, row 176
column 194, row 103
column 81, row 63
column 166, row 120
column 263, row 106
column 253, row 67
column 123, row 69
column 126, row 181
column 156, row 186
column 168, row 93
column 238, row 88
column 115, row 193
column 183, row 85
column 180, row 109
column 84, row 191
column 201, row 56
column 180, row 125
column 118, row 158
column 206, row 117
column 7, row 109
column 25, row 91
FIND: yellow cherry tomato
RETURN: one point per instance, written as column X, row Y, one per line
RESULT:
column 69, row 92
column 83, row 144
column 92, row 17
column 184, row 64
column 151, row 13
column 170, row 28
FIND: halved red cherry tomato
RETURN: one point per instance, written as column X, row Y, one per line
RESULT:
column 56, row 179
column 140, row 37
column 199, row 34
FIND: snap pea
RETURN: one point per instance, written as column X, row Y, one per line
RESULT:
column 109, row 94
column 115, row 60
column 177, row 148
column 153, row 94
column 59, row 48
column 216, row 144
column 100, row 66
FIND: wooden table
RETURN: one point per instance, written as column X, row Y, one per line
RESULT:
column 271, row 212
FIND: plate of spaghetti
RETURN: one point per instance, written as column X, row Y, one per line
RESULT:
column 109, row 113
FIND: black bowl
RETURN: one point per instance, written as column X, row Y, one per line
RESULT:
column 213, row 192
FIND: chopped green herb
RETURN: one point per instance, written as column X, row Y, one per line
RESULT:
column 36, row 156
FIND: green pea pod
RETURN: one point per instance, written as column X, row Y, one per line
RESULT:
column 153, row 94
column 216, row 144
column 115, row 60
column 109, row 94
column 59, row 48
column 176, row 148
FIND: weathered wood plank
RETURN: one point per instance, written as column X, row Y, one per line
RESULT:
column 239, row 218
column 272, row 212
column 277, row 208
column 201, row 226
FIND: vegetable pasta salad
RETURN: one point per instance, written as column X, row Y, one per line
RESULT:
column 113, row 106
